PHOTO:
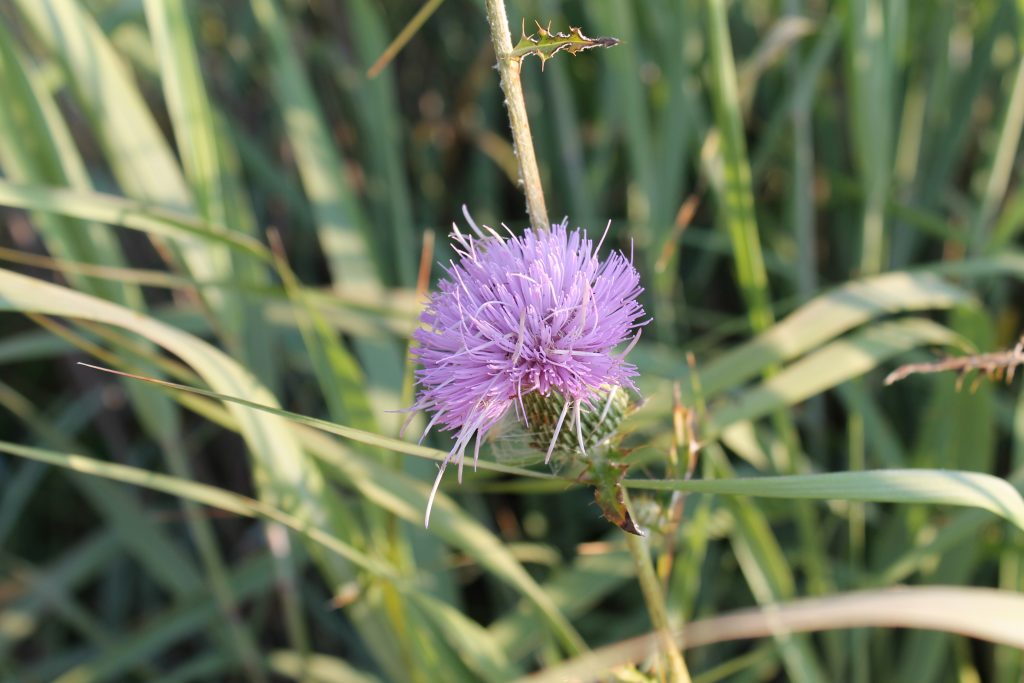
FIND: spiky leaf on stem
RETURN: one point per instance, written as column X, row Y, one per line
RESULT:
column 547, row 44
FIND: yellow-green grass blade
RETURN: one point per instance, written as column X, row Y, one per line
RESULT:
column 357, row 435
column 189, row 107
column 139, row 156
column 375, row 102
column 996, row 175
column 284, row 476
column 869, row 67
column 201, row 493
column 36, row 148
column 982, row 613
column 138, row 152
column 735, row 193
column 837, row 362
column 317, row 668
column 826, row 317
column 395, row 492
column 906, row 486
column 211, row 168
column 342, row 228
column 132, row 214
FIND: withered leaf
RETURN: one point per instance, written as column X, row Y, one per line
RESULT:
column 608, row 494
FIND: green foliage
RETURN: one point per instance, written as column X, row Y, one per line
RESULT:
column 546, row 44
column 216, row 196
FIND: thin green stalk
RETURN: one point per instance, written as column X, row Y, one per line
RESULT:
column 736, row 194
column 216, row 569
column 870, row 85
column 509, row 68
column 858, row 644
column 654, row 598
column 1001, row 165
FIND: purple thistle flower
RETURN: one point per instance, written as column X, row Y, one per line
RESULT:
column 536, row 313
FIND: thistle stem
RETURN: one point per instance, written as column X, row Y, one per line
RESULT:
column 654, row 598
column 511, row 85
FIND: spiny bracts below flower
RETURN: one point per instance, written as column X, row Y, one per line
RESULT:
column 537, row 313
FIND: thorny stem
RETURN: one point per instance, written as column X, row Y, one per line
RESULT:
column 509, row 68
column 654, row 597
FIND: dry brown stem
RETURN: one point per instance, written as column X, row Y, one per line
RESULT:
column 996, row 365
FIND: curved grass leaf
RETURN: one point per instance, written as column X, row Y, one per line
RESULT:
column 285, row 477
column 983, row 613
column 345, row 235
column 316, row 668
column 200, row 493
column 970, row 489
column 827, row 317
column 942, row 487
column 830, row 366
column 144, row 642
column 357, row 435
column 128, row 213
column 399, row 495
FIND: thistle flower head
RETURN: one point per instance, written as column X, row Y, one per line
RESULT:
column 521, row 315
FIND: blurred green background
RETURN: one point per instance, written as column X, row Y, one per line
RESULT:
column 216, row 193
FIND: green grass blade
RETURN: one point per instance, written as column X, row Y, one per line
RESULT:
column 318, row 668
column 938, row 487
column 357, row 435
column 735, row 194
column 826, row 317
column 165, row 628
column 984, row 613
column 198, row 492
column 342, row 228
column 284, row 475
column 829, row 367
column 871, row 98
column 114, row 210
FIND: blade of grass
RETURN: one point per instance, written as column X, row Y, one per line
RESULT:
column 832, row 365
column 942, row 487
column 167, row 627
column 114, row 210
column 344, row 234
column 871, row 99
column 735, row 194
column 200, row 493
column 984, row 613
column 320, row 668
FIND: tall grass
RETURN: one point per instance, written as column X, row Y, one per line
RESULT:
column 216, row 196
